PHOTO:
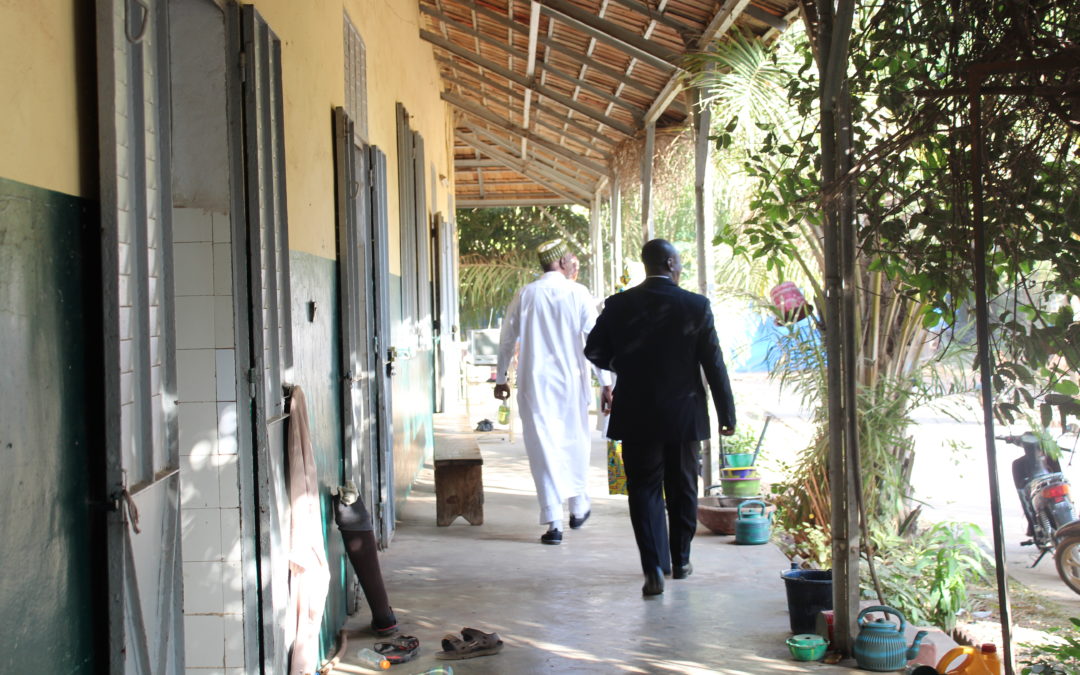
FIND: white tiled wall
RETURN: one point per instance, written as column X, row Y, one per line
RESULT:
column 213, row 586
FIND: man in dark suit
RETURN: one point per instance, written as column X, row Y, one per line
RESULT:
column 658, row 339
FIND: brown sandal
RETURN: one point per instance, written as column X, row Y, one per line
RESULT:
column 475, row 643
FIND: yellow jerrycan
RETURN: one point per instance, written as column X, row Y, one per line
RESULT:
column 971, row 661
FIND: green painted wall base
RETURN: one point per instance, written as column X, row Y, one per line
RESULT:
column 49, row 450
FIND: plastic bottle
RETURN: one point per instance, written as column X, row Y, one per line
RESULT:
column 504, row 413
column 991, row 659
column 371, row 659
column 439, row 670
column 976, row 661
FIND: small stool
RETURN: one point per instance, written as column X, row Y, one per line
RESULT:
column 459, row 482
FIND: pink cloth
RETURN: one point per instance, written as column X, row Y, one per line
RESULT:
column 309, row 574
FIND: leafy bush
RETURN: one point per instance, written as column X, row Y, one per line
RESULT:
column 1060, row 657
column 925, row 576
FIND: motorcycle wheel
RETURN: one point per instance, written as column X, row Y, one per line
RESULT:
column 1067, row 559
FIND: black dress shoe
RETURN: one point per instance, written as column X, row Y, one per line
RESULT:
column 682, row 571
column 553, row 537
column 654, row 582
column 576, row 522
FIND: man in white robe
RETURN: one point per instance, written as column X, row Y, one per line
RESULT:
column 548, row 320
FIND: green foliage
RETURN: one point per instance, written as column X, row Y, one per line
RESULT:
column 742, row 441
column 925, row 576
column 1058, row 657
column 498, row 254
column 910, row 181
column 808, row 542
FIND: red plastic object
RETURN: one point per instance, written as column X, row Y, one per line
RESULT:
column 789, row 301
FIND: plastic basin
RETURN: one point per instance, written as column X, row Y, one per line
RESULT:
column 739, row 459
column 740, row 487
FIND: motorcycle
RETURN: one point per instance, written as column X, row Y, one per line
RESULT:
column 1044, row 494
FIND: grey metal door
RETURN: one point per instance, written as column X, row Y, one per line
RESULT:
column 356, row 282
column 384, row 510
column 270, row 316
column 141, row 444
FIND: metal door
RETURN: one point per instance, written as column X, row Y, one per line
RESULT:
column 355, row 280
column 141, row 444
column 384, row 510
column 270, row 316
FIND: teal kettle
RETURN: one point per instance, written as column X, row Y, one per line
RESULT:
column 880, row 644
column 752, row 524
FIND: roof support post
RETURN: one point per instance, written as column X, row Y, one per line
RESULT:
column 596, row 269
column 833, row 35
column 647, row 228
column 704, row 226
column 985, row 357
column 616, row 232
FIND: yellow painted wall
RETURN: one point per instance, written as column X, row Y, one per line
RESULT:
column 400, row 67
column 41, row 135
column 39, row 125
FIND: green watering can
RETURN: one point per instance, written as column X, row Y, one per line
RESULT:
column 752, row 526
column 880, row 645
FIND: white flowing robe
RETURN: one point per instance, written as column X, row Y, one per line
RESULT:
column 551, row 318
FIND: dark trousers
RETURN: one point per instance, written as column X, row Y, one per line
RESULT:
column 655, row 473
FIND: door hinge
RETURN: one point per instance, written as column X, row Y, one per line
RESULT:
column 243, row 66
column 252, row 378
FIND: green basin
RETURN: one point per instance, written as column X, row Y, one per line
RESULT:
column 740, row 487
column 739, row 459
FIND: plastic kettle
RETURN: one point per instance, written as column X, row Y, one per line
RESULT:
column 880, row 644
column 971, row 661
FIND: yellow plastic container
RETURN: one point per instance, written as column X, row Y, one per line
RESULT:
column 982, row 660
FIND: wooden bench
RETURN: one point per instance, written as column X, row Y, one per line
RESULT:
column 459, row 480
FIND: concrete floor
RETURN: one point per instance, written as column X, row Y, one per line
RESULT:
column 575, row 608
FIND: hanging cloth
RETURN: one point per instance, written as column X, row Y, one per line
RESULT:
column 309, row 574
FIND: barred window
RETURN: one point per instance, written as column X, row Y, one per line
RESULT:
column 356, row 81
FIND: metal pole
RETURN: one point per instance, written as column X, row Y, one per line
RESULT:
column 596, row 275
column 982, row 331
column 703, row 214
column 647, row 229
column 616, row 233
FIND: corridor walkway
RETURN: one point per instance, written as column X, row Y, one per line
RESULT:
column 575, row 608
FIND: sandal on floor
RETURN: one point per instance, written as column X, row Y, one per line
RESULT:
column 398, row 650
column 475, row 643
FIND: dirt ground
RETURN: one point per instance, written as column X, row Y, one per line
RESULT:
column 1033, row 616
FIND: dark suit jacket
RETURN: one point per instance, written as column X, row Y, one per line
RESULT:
column 658, row 338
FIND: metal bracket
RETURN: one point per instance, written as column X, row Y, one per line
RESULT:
column 137, row 38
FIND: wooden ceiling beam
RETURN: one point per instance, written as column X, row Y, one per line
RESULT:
column 613, row 34
column 472, row 57
column 686, row 31
column 538, row 176
column 552, row 45
column 635, row 111
column 505, row 201
column 594, row 137
column 493, row 119
column 552, row 166
column 721, row 22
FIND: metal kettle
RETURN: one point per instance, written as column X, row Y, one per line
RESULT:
column 880, row 644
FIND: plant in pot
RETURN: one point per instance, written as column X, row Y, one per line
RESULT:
column 738, row 449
